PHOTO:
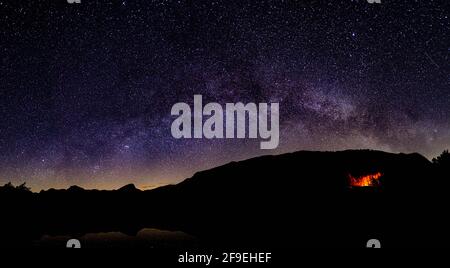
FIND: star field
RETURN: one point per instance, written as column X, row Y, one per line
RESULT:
column 86, row 89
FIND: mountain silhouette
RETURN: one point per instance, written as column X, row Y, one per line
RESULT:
column 130, row 188
column 294, row 200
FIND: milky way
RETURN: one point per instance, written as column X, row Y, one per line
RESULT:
column 86, row 89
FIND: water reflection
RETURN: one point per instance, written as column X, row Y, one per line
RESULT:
column 150, row 238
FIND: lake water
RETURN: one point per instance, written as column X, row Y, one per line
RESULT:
column 147, row 238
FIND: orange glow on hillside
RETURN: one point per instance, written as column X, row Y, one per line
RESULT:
column 371, row 180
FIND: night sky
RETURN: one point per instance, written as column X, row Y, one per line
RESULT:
column 86, row 89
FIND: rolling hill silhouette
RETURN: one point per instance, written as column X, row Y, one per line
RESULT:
column 295, row 200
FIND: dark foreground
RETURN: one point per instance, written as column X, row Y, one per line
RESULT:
column 297, row 200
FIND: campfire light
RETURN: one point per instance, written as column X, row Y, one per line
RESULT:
column 371, row 180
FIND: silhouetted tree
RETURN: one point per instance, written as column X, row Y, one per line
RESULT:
column 443, row 161
column 23, row 187
column 10, row 187
column 442, row 164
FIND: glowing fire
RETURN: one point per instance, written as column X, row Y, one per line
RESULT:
column 365, row 181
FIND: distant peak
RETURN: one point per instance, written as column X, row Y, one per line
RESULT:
column 75, row 188
column 129, row 188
